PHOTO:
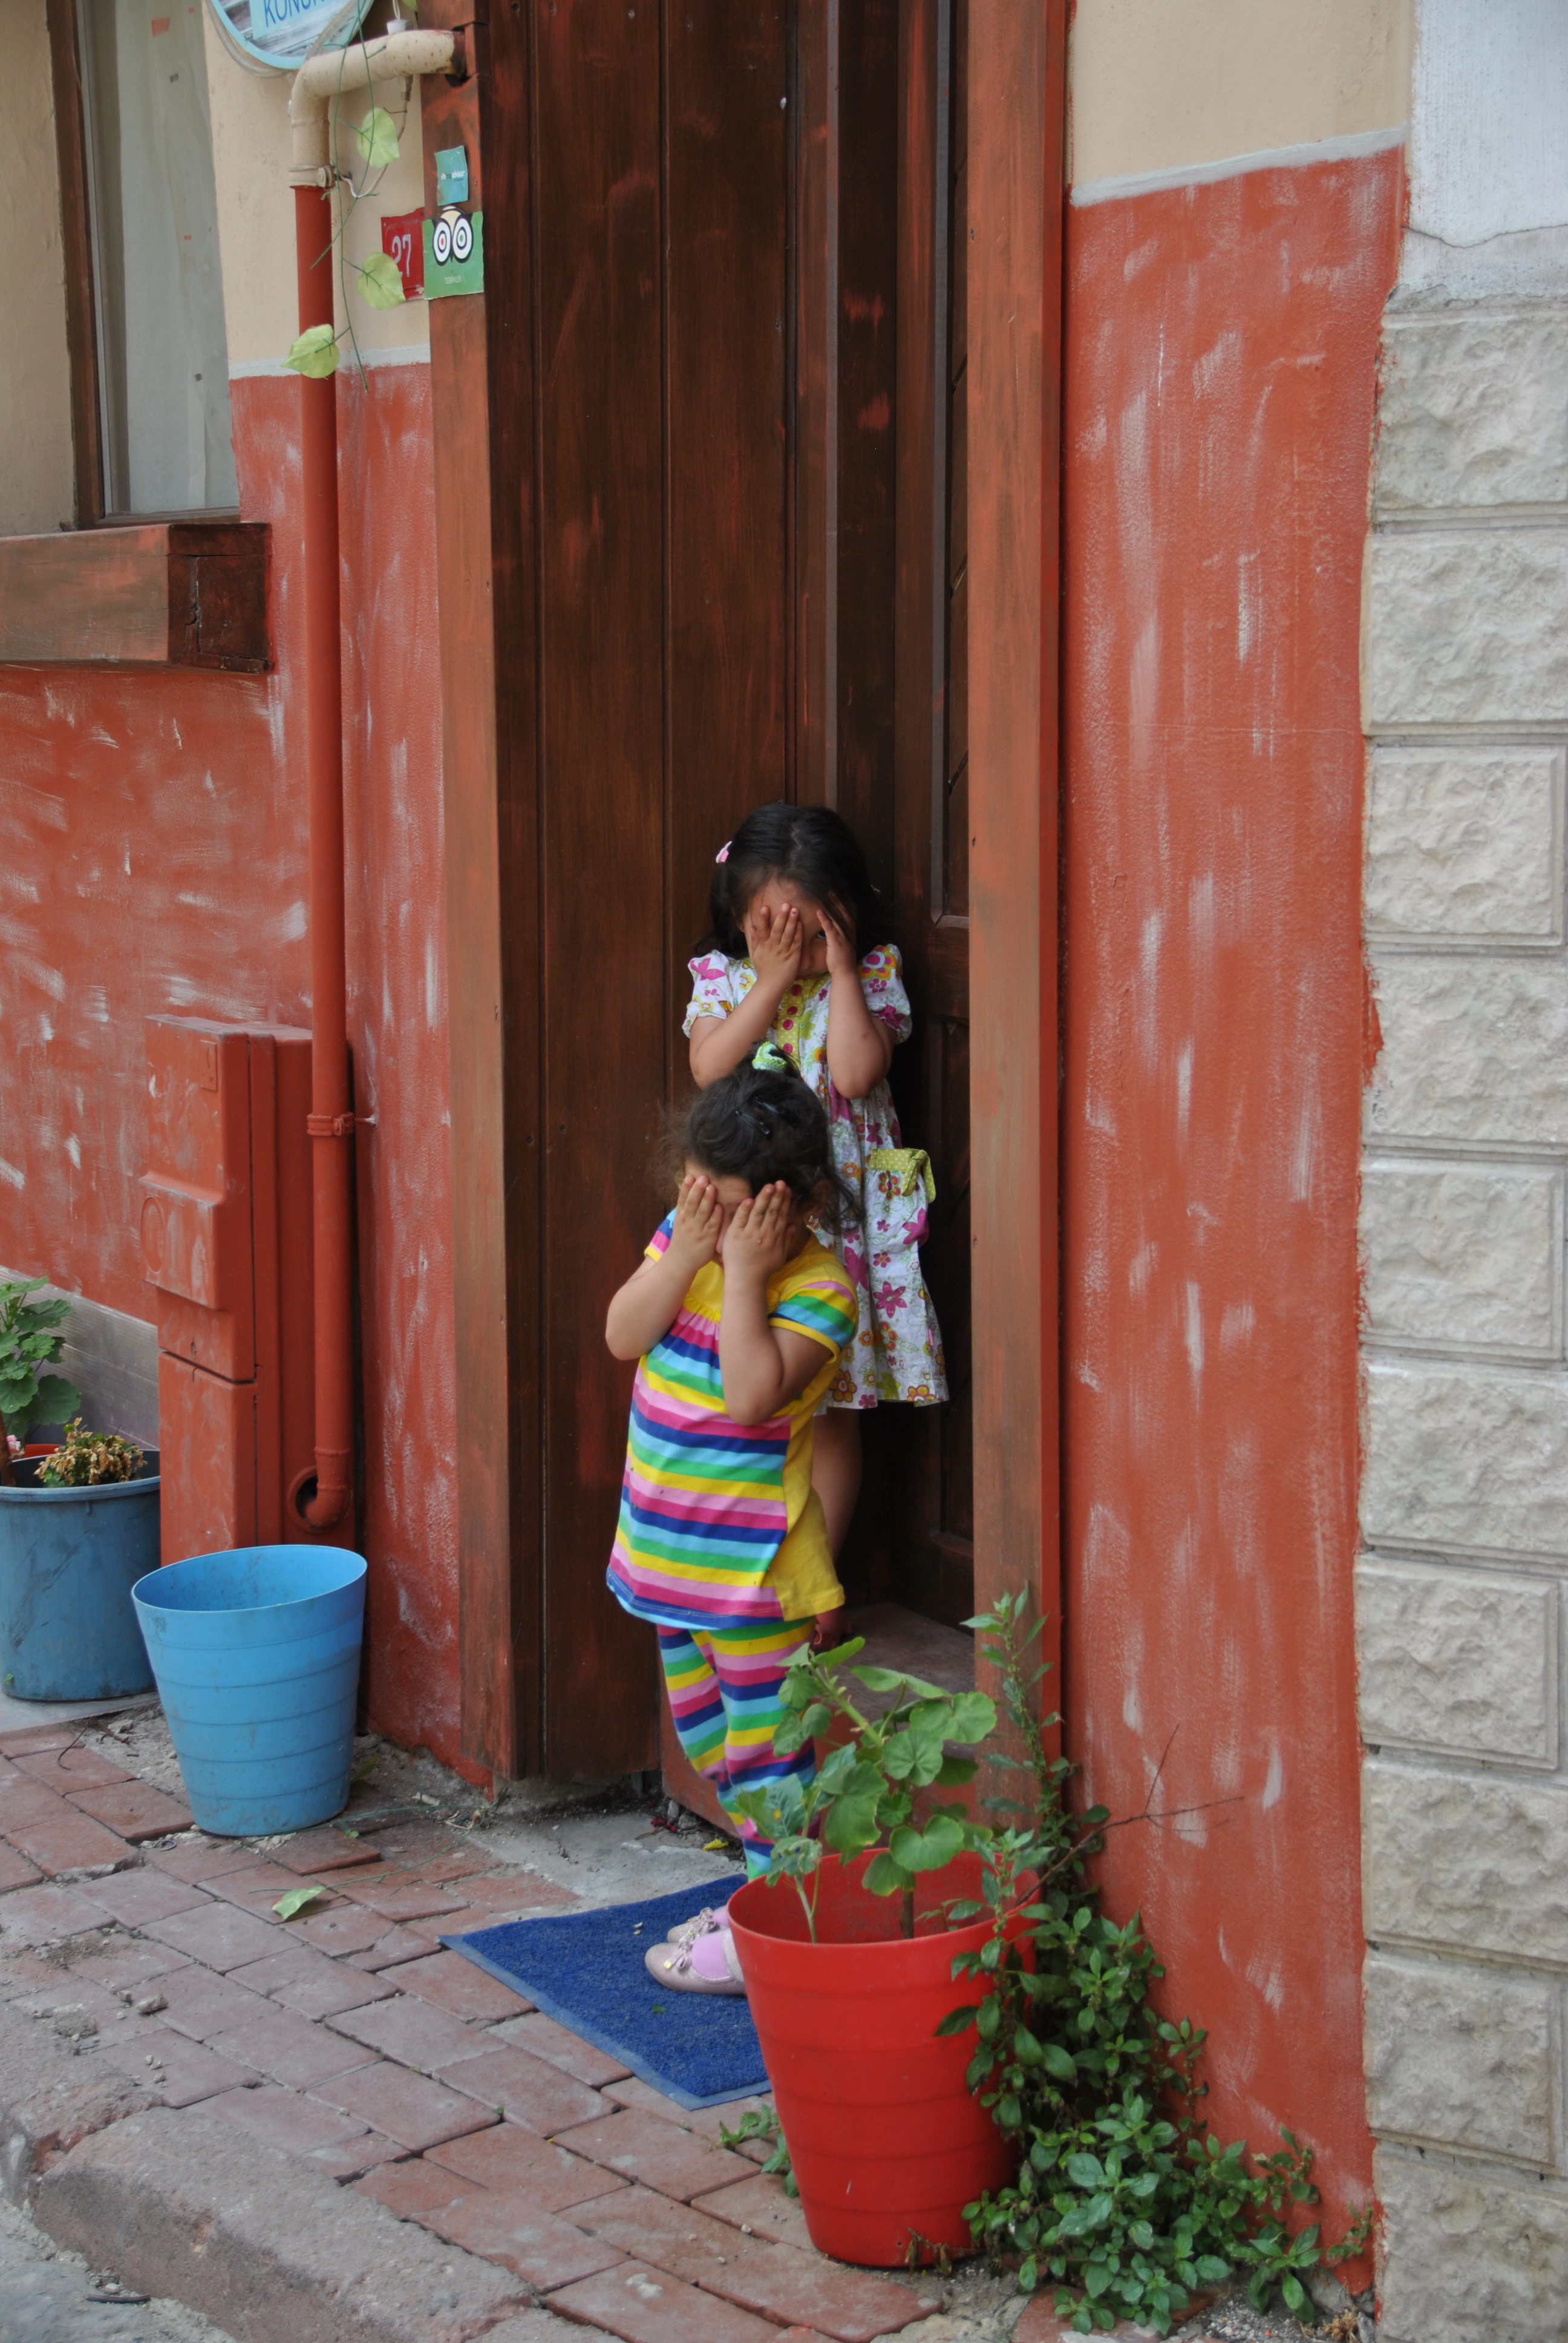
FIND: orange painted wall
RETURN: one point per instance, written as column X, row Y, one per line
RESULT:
column 1219, row 400
column 153, row 859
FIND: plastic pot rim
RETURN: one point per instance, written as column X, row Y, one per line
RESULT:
column 96, row 1493
column 149, row 1602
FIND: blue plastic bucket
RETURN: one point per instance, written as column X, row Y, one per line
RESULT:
column 257, row 1656
column 68, row 1561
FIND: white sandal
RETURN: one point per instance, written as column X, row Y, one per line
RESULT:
column 701, row 1923
column 677, row 1965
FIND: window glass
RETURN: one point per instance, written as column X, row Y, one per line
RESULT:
column 163, row 357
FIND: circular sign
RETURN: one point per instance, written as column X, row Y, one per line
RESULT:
column 462, row 238
column 279, row 35
column 441, row 241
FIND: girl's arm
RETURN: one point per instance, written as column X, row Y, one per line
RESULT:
column 649, row 1303
column 718, row 1045
column 859, row 1046
column 763, row 1367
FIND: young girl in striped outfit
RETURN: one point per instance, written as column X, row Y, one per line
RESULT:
column 737, row 1318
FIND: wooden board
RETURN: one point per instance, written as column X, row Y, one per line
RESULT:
column 1016, row 113
column 164, row 594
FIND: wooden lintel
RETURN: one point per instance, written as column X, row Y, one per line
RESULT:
column 187, row 594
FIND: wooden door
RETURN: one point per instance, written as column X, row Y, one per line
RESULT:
column 638, row 177
column 932, row 812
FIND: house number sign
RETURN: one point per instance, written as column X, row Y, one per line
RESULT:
column 283, row 33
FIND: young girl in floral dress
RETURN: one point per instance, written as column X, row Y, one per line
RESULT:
column 799, row 951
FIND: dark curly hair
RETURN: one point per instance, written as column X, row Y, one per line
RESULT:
column 760, row 1123
column 806, row 846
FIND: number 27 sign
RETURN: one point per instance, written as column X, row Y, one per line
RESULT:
column 403, row 239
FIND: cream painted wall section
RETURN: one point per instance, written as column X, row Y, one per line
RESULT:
column 37, row 478
column 255, row 210
column 1159, row 84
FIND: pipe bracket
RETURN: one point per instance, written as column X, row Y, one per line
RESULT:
column 329, row 1126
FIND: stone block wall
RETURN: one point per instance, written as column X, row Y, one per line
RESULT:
column 1465, row 1505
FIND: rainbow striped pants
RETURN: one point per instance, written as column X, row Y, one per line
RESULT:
column 723, row 1685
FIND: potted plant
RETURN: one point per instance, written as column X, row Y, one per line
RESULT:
column 847, row 1944
column 30, row 1342
column 78, row 1526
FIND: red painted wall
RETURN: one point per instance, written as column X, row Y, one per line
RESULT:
column 153, row 859
column 1222, row 352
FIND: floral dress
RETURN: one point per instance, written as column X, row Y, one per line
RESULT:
column 897, row 1350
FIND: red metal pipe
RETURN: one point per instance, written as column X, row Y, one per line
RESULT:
column 331, row 1122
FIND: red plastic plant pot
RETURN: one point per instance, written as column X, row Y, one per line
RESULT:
column 887, row 2142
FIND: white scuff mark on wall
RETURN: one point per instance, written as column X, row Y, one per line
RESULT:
column 1085, row 1374
column 1148, row 943
column 1269, row 1983
column 1183, row 1090
column 1238, row 1323
column 1094, row 438
column 1099, row 1115
column 46, row 1030
column 38, row 973
column 1212, row 362
column 1140, row 1269
column 1192, row 1327
column 94, row 1004
column 10, row 1174
column 1275, row 1783
column 1143, row 688
column 432, row 985
column 1249, row 606
column 74, row 1149
column 295, row 924
column 1200, row 913
column 1305, row 1149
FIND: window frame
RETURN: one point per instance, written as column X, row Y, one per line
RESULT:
column 82, row 291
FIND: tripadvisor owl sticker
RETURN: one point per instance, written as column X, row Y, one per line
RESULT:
column 454, row 253
column 283, row 33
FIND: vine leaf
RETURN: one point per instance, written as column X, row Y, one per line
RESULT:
column 295, row 1900
column 315, row 353
column 380, row 284
column 376, row 137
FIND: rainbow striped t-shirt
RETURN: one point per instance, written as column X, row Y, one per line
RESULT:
column 707, row 1503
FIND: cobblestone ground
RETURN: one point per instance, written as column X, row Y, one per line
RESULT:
column 50, row 2296
column 350, row 2041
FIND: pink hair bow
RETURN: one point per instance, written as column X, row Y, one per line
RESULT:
column 723, row 854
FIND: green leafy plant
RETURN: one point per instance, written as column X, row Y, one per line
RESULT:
column 1122, row 2196
column 762, row 2123
column 30, row 1343
column 864, row 1795
column 86, row 1460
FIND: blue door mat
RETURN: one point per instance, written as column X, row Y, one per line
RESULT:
column 586, row 1969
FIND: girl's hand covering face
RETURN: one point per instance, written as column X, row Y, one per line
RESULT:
column 842, row 960
column 698, row 1223
column 762, row 1233
column 776, row 939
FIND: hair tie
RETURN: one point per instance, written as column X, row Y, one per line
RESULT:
column 766, row 1059
column 723, row 854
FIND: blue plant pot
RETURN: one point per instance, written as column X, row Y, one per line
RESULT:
column 257, row 1656
column 68, row 1561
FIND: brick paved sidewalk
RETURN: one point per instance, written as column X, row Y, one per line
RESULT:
column 350, row 2041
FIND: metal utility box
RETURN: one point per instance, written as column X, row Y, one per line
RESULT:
column 227, row 1242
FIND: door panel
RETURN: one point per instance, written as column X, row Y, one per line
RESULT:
column 600, row 541
column 929, row 1490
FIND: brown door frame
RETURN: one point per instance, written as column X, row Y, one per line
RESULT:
column 1016, row 198
column 488, row 634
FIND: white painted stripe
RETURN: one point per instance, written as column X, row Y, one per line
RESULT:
column 1355, row 143
column 400, row 354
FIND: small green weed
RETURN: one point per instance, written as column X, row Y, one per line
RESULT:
column 762, row 2123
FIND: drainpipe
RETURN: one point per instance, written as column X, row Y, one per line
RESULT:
column 331, row 1122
